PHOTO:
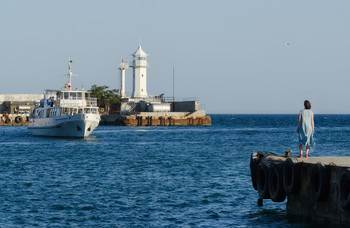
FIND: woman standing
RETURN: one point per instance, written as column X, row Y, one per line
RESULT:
column 306, row 137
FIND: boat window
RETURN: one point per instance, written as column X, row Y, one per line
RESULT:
column 80, row 110
column 73, row 96
column 79, row 96
column 60, row 95
column 65, row 111
column 66, row 95
column 73, row 111
column 87, row 110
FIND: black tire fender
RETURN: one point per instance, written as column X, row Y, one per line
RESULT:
column 319, row 182
column 7, row 121
column 291, row 176
column 262, row 181
column 18, row 119
column 344, row 189
column 275, row 182
column 254, row 162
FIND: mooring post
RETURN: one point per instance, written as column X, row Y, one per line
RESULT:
column 287, row 153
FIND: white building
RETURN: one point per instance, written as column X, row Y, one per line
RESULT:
column 140, row 66
column 141, row 102
column 122, row 67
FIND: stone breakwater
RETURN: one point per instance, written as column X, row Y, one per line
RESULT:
column 13, row 119
column 316, row 188
column 148, row 120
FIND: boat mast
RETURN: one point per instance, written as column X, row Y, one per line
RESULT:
column 69, row 74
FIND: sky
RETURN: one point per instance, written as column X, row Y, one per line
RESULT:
column 231, row 55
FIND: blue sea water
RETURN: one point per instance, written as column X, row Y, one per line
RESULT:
column 153, row 176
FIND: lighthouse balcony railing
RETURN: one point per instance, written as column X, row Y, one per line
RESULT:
column 124, row 66
column 139, row 63
column 179, row 99
column 166, row 99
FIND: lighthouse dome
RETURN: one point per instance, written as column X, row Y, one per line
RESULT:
column 140, row 53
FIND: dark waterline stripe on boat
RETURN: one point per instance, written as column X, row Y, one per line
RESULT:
column 44, row 127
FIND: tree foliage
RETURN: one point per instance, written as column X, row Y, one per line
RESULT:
column 105, row 97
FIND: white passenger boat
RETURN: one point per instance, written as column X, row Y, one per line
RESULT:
column 65, row 113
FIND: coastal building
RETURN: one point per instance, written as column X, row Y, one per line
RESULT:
column 16, row 108
column 10, row 102
column 142, row 109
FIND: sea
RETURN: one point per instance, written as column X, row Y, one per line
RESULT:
column 178, row 176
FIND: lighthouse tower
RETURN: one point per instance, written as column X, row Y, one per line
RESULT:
column 123, row 66
column 140, row 66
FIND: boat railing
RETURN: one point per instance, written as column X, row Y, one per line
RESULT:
column 88, row 102
column 74, row 111
column 163, row 99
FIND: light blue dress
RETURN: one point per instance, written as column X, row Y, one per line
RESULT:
column 306, row 136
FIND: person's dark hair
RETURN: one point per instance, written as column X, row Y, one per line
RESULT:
column 307, row 104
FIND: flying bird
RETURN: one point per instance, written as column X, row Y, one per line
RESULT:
column 287, row 44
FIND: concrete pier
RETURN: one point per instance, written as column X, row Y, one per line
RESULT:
column 316, row 188
column 14, row 119
column 15, row 108
column 157, row 119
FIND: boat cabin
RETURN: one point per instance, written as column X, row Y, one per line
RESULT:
column 65, row 102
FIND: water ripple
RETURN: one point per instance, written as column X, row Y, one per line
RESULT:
column 152, row 176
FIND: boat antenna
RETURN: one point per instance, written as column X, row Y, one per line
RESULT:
column 70, row 74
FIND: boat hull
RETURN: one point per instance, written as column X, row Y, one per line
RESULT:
column 76, row 126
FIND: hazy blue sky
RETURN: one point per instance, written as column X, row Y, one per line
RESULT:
column 229, row 54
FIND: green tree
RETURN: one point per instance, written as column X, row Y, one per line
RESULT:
column 105, row 97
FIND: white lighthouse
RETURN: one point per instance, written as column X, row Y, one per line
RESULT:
column 123, row 66
column 140, row 66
